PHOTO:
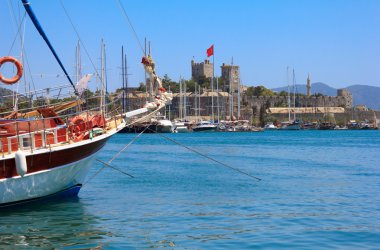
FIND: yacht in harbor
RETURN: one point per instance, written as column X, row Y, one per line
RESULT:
column 161, row 124
column 180, row 127
column 205, row 126
column 294, row 125
column 270, row 126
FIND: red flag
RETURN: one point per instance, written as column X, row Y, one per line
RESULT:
column 210, row 51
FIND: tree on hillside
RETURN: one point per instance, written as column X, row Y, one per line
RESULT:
column 259, row 91
column 141, row 87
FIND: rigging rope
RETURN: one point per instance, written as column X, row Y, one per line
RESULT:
column 131, row 26
column 80, row 40
column 18, row 32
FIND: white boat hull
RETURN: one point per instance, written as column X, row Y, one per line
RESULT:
column 181, row 129
column 44, row 183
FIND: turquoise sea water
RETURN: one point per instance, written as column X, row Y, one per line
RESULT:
column 319, row 190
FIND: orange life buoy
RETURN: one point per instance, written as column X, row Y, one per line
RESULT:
column 18, row 66
column 77, row 128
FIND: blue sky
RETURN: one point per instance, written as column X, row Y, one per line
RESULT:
column 336, row 41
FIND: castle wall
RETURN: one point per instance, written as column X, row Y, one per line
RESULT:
column 254, row 107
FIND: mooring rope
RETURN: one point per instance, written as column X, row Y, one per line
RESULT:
column 206, row 156
column 108, row 164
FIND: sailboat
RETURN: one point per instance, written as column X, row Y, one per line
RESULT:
column 292, row 124
column 180, row 125
column 47, row 151
column 201, row 125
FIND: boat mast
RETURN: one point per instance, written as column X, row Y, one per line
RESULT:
column 123, row 77
column 212, row 86
column 196, row 102
column 150, row 77
column 126, row 82
column 146, row 76
column 294, row 95
column 287, row 80
column 199, row 102
column 238, row 100
column 105, row 79
column 231, row 93
column 184, row 99
column 180, row 99
column 217, row 98
column 78, row 67
column 102, row 78
column 170, row 104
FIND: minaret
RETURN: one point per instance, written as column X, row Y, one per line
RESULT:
column 308, row 85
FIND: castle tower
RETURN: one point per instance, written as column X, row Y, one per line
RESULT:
column 308, row 85
column 346, row 94
column 231, row 77
column 201, row 70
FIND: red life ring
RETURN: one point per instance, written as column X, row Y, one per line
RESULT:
column 19, row 67
column 77, row 128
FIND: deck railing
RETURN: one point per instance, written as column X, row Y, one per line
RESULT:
column 27, row 141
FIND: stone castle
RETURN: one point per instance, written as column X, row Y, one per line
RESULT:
column 201, row 70
column 254, row 108
column 230, row 74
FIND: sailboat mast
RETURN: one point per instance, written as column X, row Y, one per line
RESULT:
column 169, row 106
column 151, row 79
column 238, row 100
column 123, row 78
column 217, row 98
column 294, row 95
column 231, row 94
column 78, row 67
column 287, row 80
column 105, row 78
column 126, row 82
column 101, row 75
column 180, row 99
column 212, row 86
column 196, row 102
column 184, row 99
column 199, row 102
column 146, row 76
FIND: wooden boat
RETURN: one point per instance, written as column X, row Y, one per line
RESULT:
column 44, row 153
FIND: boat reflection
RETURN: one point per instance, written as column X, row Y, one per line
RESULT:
column 51, row 225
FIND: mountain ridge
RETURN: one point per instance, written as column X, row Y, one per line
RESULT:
column 361, row 94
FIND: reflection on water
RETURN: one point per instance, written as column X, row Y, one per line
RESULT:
column 50, row 224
